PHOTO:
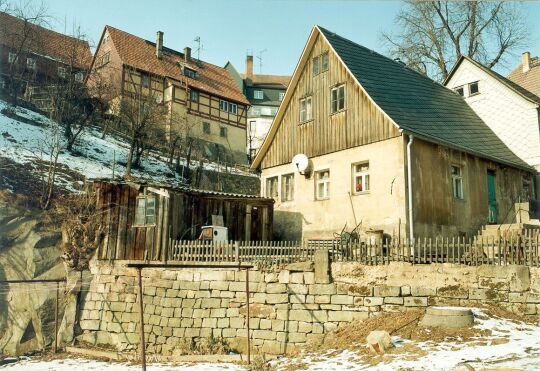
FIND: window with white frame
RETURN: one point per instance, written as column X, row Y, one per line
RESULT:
column 305, row 109
column 322, row 184
column 145, row 214
column 460, row 91
column 324, row 62
column 281, row 95
column 233, row 108
column 31, row 63
column 62, row 72
column 12, row 57
column 190, row 73
column 473, row 88
column 79, row 76
column 287, row 187
column 361, row 177
column 272, row 187
column 457, row 181
column 224, row 105
column 258, row 94
column 337, row 98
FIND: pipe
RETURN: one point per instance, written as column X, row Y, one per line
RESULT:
column 409, row 185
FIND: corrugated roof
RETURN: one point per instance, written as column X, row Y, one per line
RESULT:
column 45, row 42
column 141, row 54
column 529, row 80
column 418, row 104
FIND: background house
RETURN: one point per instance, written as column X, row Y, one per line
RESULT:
column 265, row 93
column 527, row 74
column 33, row 57
column 389, row 149
column 202, row 100
column 510, row 110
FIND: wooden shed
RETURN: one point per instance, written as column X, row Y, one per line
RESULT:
column 142, row 218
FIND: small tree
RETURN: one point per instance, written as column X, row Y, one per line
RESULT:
column 434, row 34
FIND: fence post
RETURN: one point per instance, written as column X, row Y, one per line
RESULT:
column 56, row 320
column 237, row 251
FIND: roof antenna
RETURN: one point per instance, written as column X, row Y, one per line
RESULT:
column 199, row 47
column 259, row 57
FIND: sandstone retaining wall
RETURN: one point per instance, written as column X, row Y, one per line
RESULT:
column 289, row 309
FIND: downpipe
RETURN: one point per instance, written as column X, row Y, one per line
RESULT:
column 409, row 185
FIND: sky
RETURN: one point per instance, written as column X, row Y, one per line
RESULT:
column 276, row 30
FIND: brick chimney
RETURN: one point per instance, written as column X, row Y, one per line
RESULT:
column 526, row 61
column 249, row 67
column 159, row 44
column 187, row 53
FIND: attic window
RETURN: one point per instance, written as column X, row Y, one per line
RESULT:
column 460, row 91
column 190, row 73
column 145, row 214
column 103, row 60
column 473, row 88
column 324, row 62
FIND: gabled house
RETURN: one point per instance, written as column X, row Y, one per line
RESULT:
column 527, row 74
column 510, row 110
column 387, row 149
column 202, row 100
column 33, row 57
column 265, row 93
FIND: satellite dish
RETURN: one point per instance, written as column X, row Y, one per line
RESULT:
column 300, row 163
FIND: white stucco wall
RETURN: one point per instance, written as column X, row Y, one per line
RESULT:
column 258, row 127
column 383, row 207
column 514, row 119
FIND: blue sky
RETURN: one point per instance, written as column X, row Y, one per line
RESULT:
column 229, row 28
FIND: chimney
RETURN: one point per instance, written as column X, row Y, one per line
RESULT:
column 526, row 61
column 159, row 45
column 187, row 53
column 249, row 67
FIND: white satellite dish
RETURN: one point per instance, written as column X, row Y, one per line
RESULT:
column 300, row 163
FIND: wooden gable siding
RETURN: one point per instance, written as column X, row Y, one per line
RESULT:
column 360, row 123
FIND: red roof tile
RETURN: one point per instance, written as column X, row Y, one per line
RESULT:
column 141, row 54
column 530, row 80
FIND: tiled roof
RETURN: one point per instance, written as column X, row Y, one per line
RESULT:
column 141, row 54
column 419, row 105
column 269, row 79
column 529, row 80
column 45, row 42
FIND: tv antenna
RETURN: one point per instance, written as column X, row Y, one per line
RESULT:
column 200, row 47
column 259, row 57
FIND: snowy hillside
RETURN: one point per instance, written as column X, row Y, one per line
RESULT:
column 25, row 140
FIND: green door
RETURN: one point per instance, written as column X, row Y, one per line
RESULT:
column 492, row 197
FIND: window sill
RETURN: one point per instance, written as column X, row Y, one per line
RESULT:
column 361, row 193
column 473, row 95
column 306, row 122
column 338, row 112
column 322, row 199
column 460, row 200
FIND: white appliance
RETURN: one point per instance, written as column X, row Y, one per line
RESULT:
column 214, row 233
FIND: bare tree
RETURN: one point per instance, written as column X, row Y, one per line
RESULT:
column 21, row 39
column 50, row 151
column 434, row 34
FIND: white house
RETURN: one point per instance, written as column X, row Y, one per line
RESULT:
column 510, row 110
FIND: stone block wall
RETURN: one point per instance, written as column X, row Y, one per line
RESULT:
column 288, row 308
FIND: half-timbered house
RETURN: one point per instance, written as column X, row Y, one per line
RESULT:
column 387, row 149
column 202, row 100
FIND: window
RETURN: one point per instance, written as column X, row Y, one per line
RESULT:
column 233, row 108
column 31, row 63
column 79, row 76
column 460, row 91
column 258, row 94
column 206, row 127
column 322, row 184
column 305, row 109
column 255, row 111
column 62, row 72
column 337, row 98
column 457, row 182
column 281, row 95
column 473, row 88
column 194, row 95
column 146, row 211
column 316, row 65
column 12, row 57
column 252, row 153
column 145, row 81
column 361, row 177
column 324, row 62
column 224, row 105
column 190, row 73
column 103, row 60
column 223, row 132
column 287, row 187
column 272, row 187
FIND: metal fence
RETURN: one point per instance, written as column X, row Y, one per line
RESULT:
column 521, row 250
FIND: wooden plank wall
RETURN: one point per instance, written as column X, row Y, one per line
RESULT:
column 360, row 123
column 175, row 217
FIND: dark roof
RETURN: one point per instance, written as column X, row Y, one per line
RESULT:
column 503, row 80
column 141, row 54
column 45, row 42
column 530, row 80
column 279, row 80
column 419, row 105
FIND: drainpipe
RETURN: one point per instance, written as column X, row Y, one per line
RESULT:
column 409, row 181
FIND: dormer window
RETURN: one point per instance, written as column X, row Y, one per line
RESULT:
column 258, row 94
column 190, row 73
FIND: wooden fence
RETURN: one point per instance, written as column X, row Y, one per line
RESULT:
column 521, row 250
